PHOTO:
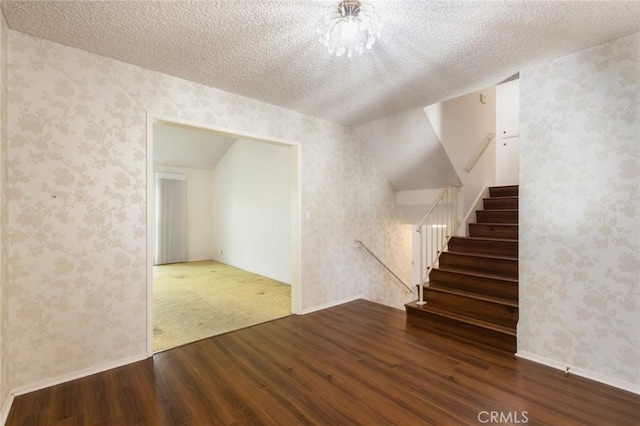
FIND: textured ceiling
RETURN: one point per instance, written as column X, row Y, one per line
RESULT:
column 187, row 147
column 408, row 151
column 429, row 51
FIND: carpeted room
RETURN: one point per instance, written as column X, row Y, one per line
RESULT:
column 196, row 300
column 222, row 233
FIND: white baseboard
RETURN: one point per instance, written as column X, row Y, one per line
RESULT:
column 4, row 414
column 42, row 384
column 620, row 384
column 331, row 304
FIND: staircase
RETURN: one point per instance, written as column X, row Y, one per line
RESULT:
column 473, row 293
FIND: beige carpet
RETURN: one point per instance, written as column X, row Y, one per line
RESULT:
column 195, row 300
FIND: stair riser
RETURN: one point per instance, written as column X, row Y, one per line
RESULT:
column 501, row 267
column 500, row 203
column 493, row 231
column 497, row 216
column 504, row 191
column 495, row 248
column 487, row 311
column 480, row 285
column 455, row 329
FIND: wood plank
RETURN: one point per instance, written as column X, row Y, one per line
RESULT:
column 495, row 313
column 358, row 363
column 493, row 230
column 474, row 282
column 497, row 216
column 504, row 191
column 508, row 203
column 457, row 326
column 489, row 246
column 473, row 295
column 498, row 266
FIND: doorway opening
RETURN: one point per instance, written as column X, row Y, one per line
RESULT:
column 224, row 253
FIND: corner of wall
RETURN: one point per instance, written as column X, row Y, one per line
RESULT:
column 578, row 223
column 434, row 115
column 5, row 395
column 6, row 408
column 340, row 182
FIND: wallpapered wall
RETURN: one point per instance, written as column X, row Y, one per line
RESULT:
column 77, row 209
column 579, row 238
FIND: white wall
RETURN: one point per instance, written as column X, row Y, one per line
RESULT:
column 77, row 126
column 463, row 124
column 415, row 204
column 408, row 151
column 252, row 195
column 199, row 210
column 508, row 133
column 579, row 213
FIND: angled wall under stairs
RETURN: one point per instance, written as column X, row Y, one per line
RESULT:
column 473, row 293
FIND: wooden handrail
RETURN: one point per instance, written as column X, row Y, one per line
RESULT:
column 365, row 248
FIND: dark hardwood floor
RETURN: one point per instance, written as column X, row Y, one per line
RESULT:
column 357, row 363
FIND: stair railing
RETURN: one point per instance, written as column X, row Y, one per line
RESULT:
column 439, row 224
column 490, row 137
column 377, row 259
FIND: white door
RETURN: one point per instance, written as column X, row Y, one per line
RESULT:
column 508, row 133
column 508, row 161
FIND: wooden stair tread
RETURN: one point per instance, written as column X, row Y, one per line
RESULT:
column 494, row 224
column 499, row 300
column 488, row 239
column 483, row 256
column 480, row 275
column 494, row 230
column 501, row 203
column 462, row 318
column 511, row 197
column 485, row 244
column 497, row 210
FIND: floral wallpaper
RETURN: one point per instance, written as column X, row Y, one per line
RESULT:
column 77, row 204
column 579, row 220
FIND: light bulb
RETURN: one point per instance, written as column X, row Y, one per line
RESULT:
column 349, row 28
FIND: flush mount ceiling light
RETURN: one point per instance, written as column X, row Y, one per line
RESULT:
column 349, row 27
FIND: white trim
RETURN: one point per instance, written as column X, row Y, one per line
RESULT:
column 296, row 208
column 218, row 129
column 296, row 230
column 331, row 304
column 462, row 228
column 150, row 230
column 617, row 383
column 6, row 408
column 42, row 384
column 174, row 176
